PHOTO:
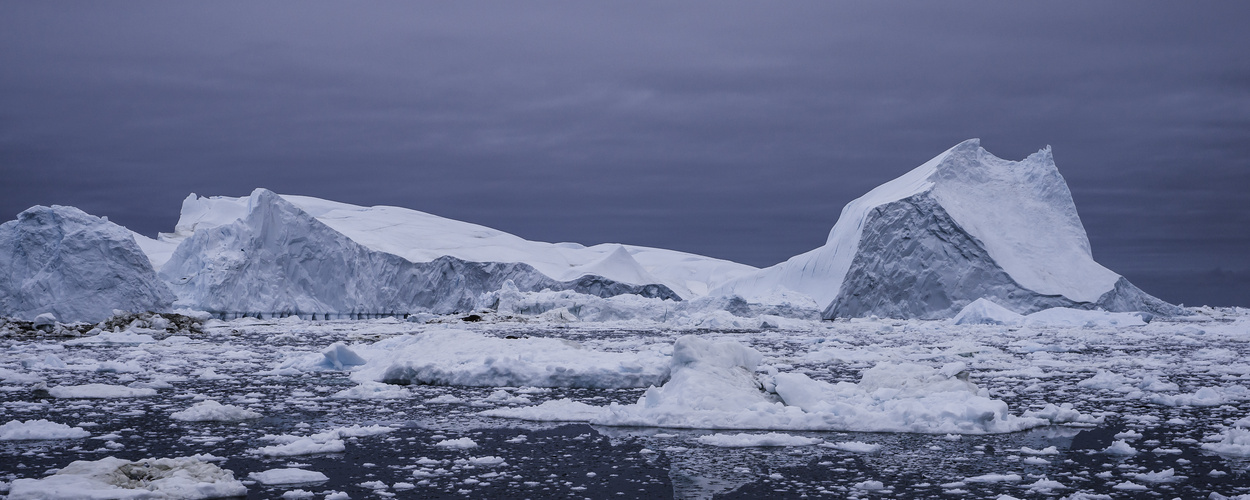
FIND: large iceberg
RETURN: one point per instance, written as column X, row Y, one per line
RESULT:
column 279, row 259
column 962, row 226
column 421, row 237
column 76, row 266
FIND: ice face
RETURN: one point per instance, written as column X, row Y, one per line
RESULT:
column 76, row 266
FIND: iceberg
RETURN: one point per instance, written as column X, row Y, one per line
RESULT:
column 424, row 238
column 280, row 260
column 962, row 226
column 78, row 267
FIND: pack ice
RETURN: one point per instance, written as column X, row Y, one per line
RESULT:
column 75, row 266
column 962, row 226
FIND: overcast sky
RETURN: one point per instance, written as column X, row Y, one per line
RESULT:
column 735, row 130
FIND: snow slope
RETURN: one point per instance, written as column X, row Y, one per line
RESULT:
column 279, row 259
column 963, row 225
column 77, row 266
column 421, row 237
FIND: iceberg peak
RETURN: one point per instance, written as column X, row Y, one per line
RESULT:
column 963, row 225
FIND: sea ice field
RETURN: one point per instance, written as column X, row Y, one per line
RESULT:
column 523, row 407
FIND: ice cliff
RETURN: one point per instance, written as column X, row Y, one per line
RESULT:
column 76, row 266
column 962, row 226
column 279, row 259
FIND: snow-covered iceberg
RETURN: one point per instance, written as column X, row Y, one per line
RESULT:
column 962, row 226
column 421, row 237
column 78, row 267
column 279, row 259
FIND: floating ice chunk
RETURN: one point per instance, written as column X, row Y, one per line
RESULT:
column 16, row 377
column 373, row 390
column 1206, row 396
column 750, row 440
column 463, row 443
column 45, row 319
column 330, row 441
column 1064, row 414
column 902, row 398
column 210, row 373
column 303, row 446
column 487, row 461
column 1163, row 476
column 1045, row 484
column 39, row 429
column 1129, row 486
column 458, row 357
column 1109, row 381
column 171, row 478
column 1233, row 442
column 1077, row 318
column 854, row 446
column 555, row 410
column 984, row 311
column 100, row 391
column 1120, row 448
column 1049, row 450
column 212, row 411
column 288, row 476
column 336, row 357
column 994, row 478
column 868, row 485
column 123, row 338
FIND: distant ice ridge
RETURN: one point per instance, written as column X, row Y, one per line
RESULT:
column 714, row 385
column 421, row 237
column 280, row 259
column 963, row 225
column 76, row 266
